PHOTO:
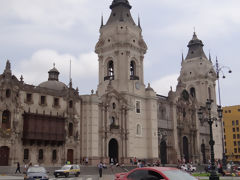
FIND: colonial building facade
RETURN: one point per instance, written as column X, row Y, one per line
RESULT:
column 51, row 123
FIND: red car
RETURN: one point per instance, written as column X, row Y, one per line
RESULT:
column 155, row 173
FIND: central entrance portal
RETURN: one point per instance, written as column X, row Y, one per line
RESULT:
column 113, row 151
column 185, row 149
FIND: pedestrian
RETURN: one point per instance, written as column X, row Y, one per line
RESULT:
column 18, row 168
column 86, row 160
column 25, row 167
column 131, row 161
column 100, row 167
column 135, row 160
column 30, row 165
column 111, row 162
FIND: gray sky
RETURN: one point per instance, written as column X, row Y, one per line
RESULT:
column 34, row 34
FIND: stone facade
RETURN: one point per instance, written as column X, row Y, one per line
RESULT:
column 51, row 123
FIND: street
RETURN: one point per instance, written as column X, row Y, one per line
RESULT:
column 95, row 177
column 84, row 177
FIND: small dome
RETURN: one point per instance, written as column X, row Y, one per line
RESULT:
column 54, row 85
column 53, row 70
column 53, row 82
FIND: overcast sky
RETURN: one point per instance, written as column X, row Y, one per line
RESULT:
column 34, row 34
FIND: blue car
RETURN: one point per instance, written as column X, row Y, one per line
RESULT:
column 36, row 173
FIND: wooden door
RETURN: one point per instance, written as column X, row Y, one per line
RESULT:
column 70, row 155
column 4, row 155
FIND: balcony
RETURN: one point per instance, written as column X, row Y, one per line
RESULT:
column 108, row 78
column 114, row 126
column 133, row 77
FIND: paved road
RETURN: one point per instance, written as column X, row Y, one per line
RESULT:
column 86, row 177
column 95, row 177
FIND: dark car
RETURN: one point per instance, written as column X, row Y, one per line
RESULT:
column 36, row 173
column 155, row 173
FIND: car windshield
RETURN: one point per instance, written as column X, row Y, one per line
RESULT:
column 66, row 167
column 36, row 170
column 178, row 174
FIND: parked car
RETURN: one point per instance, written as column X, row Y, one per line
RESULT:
column 188, row 167
column 155, row 173
column 36, row 173
column 67, row 170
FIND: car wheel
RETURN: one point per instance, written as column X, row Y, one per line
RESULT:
column 56, row 176
column 67, row 174
column 77, row 174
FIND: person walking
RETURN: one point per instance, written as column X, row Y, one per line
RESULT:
column 18, row 168
column 100, row 167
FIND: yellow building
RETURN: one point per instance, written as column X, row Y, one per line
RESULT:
column 231, row 120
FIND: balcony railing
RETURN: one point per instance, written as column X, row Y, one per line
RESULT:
column 133, row 77
column 114, row 126
column 108, row 78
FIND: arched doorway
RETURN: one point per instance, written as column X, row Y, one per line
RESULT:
column 70, row 155
column 163, row 152
column 185, row 149
column 4, row 156
column 203, row 153
column 113, row 150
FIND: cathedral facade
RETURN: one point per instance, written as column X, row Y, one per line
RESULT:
column 51, row 123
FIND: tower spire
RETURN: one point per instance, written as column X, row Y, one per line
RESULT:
column 70, row 74
column 182, row 57
column 210, row 58
column 139, row 22
column 8, row 68
column 102, row 21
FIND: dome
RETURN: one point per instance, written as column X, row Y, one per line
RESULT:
column 53, row 82
column 54, row 85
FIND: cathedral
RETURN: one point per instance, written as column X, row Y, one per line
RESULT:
column 51, row 123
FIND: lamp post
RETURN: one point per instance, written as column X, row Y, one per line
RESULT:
column 204, row 115
column 219, row 69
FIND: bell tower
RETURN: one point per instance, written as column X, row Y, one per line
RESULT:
column 121, row 50
column 197, row 72
column 199, row 77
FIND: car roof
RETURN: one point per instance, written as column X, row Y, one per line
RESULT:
column 69, row 165
column 158, row 168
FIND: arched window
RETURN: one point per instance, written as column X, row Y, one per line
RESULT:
column 110, row 69
column 8, row 93
column 70, row 104
column 133, row 75
column 132, row 68
column 70, row 129
column 113, row 105
column 54, row 155
column 40, row 154
column 209, row 93
column 185, row 95
column 112, row 121
column 6, row 120
column 193, row 92
column 139, row 129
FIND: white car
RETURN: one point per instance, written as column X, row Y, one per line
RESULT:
column 188, row 167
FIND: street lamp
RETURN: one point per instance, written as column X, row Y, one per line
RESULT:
column 204, row 115
column 219, row 69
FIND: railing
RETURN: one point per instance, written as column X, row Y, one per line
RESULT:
column 108, row 78
column 114, row 126
column 133, row 77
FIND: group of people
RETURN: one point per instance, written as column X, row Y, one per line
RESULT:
column 25, row 167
